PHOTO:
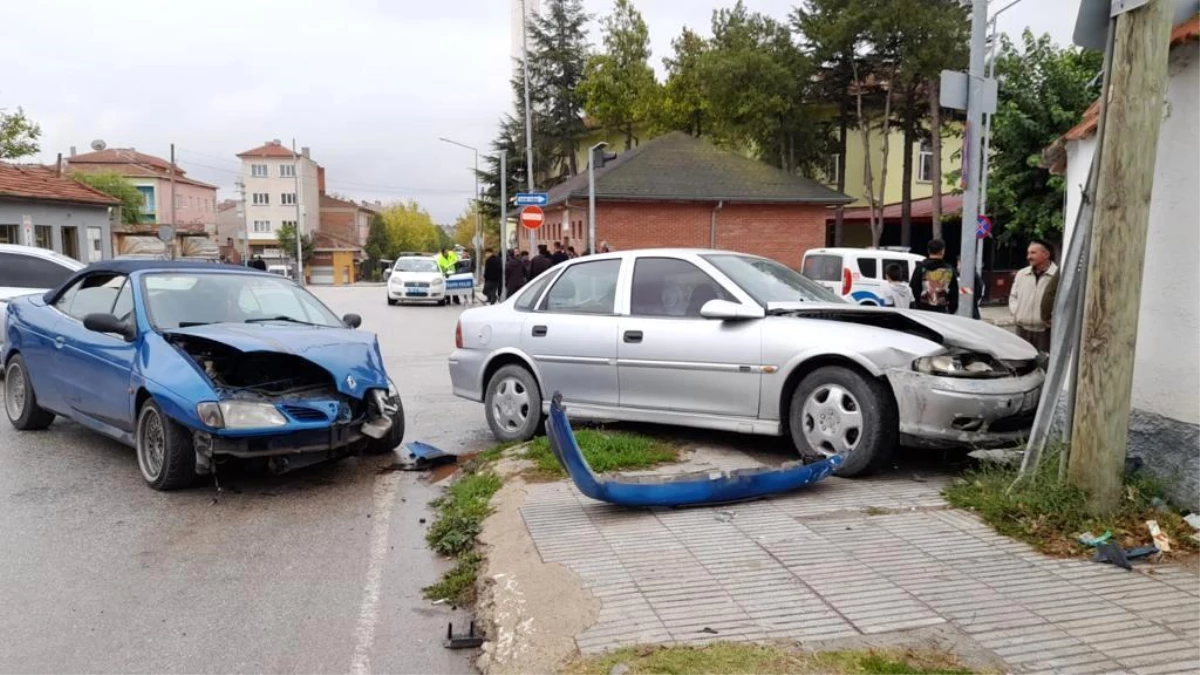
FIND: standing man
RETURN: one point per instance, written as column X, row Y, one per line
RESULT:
column 491, row 276
column 514, row 273
column 1028, row 289
column 446, row 261
column 541, row 262
column 560, row 254
column 934, row 283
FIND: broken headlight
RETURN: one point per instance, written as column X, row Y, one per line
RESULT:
column 393, row 392
column 961, row 364
column 240, row 415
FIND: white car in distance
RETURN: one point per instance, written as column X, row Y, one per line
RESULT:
column 416, row 279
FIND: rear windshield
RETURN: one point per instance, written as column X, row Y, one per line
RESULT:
column 823, row 267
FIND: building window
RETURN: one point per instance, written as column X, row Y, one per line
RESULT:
column 288, row 223
column 925, row 163
column 8, row 234
column 43, row 236
column 262, row 226
column 288, row 199
column 261, row 199
column 147, row 192
column 286, row 170
column 831, row 168
column 258, row 170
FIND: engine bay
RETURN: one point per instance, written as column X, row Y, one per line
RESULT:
column 256, row 375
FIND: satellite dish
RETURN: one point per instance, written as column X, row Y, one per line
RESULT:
column 99, row 145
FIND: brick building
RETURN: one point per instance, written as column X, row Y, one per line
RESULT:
column 681, row 191
column 339, row 240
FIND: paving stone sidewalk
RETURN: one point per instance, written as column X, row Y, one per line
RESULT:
column 828, row 562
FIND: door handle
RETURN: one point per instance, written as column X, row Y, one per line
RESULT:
column 539, row 331
column 633, row 336
column 59, row 342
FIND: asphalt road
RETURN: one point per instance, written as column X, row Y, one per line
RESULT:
column 319, row 571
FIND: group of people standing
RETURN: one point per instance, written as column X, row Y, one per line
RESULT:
column 519, row 267
column 934, row 287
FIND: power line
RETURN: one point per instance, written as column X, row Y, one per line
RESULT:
column 354, row 185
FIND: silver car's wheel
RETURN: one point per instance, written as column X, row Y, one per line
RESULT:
column 513, row 404
column 833, row 420
column 151, row 443
column 20, row 401
column 840, row 410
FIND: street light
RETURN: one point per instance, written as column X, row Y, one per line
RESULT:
column 596, row 152
column 478, row 264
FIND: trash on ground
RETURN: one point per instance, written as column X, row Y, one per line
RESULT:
column 998, row 456
column 710, row 631
column 468, row 641
column 1089, row 539
column 421, row 457
column 1159, row 537
column 1141, row 552
column 919, row 478
column 1193, row 519
column 725, row 516
column 1110, row 552
column 692, row 489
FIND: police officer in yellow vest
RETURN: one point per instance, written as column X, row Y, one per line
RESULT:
column 445, row 262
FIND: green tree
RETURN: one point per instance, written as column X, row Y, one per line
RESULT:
column 619, row 87
column 379, row 241
column 115, row 185
column 464, row 231
column 1044, row 90
column 557, row 60
column 684, row 105
column 287, row 242
column 18, row 136
column 411, row 228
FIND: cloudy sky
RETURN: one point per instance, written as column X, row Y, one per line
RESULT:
column 369, row 85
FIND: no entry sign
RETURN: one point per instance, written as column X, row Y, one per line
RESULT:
column 532, row 217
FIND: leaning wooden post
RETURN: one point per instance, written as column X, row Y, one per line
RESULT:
column 1114, row 288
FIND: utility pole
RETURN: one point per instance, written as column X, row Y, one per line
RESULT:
column 478, row 226
column 591, row 233
column 174, row 204
column 528, row 113
column 1112, row 298
column 504, row 223
column 241, row 211
column 299, row 215
column 970, row 208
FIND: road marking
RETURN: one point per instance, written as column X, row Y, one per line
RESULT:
column 368, row 613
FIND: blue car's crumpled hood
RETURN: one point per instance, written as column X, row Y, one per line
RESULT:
column 351, row 356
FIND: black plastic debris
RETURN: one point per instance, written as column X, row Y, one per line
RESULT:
column 1111, row 552
column 425, row 456
column 469, row 641
column 710, row 631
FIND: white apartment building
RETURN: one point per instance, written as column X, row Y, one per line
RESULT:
column 280, row 188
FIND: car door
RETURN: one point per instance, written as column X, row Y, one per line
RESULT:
column 672, row 359
column 95, row 367
column 572, row 333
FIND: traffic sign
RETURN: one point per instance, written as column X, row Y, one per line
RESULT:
column 532, row 217
column 983, row 227
column 532, row 199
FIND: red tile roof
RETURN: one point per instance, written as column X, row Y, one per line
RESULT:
column 41, row 184
column 138, row 171
column 131, row 164
column 271, row 149
column 120, row 156
column 922, row 209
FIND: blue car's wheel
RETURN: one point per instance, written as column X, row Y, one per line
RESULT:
column 20, row 402
column 165, row 453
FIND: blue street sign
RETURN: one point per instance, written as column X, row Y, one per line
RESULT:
column 532, row 199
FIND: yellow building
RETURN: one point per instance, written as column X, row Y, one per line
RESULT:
column 922, row 180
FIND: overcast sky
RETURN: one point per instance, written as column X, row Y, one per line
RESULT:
column 368, row 85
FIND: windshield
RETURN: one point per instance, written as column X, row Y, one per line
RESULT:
column 768, row 281
column 415, row 265
column 180, row 300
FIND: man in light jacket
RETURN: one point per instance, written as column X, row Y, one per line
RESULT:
column 1028, row 288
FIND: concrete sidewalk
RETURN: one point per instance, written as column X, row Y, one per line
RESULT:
column 876, row 557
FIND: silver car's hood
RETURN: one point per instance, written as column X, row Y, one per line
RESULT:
column 955, row 331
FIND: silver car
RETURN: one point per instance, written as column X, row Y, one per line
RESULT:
column 721, row 340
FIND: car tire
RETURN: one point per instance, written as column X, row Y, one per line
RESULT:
column 391, row 302
column 840, row 410
column 165, row 454
column 394, row 437
column 20, row 401
column 513, row 404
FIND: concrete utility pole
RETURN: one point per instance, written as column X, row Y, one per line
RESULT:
column 299, row 215
column 478, row 236
column 241, row 212
column 503, row 223
column 970, row 208
column 1113, row 294
column 591, row 233
column 528, row 113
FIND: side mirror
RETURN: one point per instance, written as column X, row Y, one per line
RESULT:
column 107, row 323
column 730, row 311
column 352, row 320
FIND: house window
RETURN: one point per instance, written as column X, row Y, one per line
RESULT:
column 262, row 226
column 147, row 192
column 261, row 199
column 286, row 223
column 286, row 170
column 8, row 234
column 925, row 163
column 43, row 236
column 831, row 168
column 288, row 199
column 258, row 170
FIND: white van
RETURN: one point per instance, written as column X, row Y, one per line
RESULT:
column 857, row 273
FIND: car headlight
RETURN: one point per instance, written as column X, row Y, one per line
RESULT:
column 240, row 415
column 393, row 392
column 438, row 281
column 961, row 364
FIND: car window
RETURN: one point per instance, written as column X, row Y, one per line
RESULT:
column 903, row 264
column 584, row 288
column 530, row 293
column 415, row 265
column 123, row 306
column 27, row 271
column 93, row 294
column 868, row 267
column 768, row 281
column 671, row 287
column 823, row 267
column 179, row 300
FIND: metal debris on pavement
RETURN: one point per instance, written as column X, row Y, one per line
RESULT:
column 469, row 641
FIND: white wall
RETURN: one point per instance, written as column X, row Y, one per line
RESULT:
column 1079, row 159
column 1166, row 378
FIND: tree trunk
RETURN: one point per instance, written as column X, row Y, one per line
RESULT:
column 868, row 177
column 935, row 161
column 843, row 137
column 877, row 223
column 629, row 136
column 910, row 133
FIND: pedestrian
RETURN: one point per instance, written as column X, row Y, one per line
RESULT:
column 515, row 274
column 491, row 276
column 897, row 292
column 934, row 284
column 446, row 262
column 541, row 262
column 571, row 253
column 1048, row 299
column 1029, row 287
column 560, row 254
column 258, row 263
column 604, row 247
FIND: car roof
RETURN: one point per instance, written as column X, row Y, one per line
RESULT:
column 849, row 250
column 132, row 266
column 37, row 252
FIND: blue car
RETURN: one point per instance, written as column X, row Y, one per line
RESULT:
column 195, row 364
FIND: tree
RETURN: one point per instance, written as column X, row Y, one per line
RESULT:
column 1044, row 91
column 286, row 234
column 683, row 105
column 412, row 228
column 464, row 231
column 18, row 136
column 379, row 241
column 619, row 87
column 115, row 185
column 557, row 60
